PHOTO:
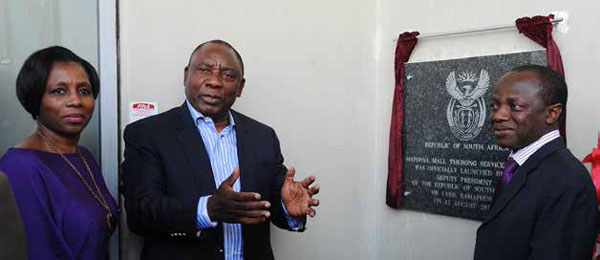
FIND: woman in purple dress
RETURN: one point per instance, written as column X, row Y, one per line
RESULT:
column 66, row 208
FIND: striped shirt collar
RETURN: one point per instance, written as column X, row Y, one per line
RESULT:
column 199, row 117
column 524, row 153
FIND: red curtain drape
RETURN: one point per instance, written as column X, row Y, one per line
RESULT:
column 404, row 47
column 539, row 30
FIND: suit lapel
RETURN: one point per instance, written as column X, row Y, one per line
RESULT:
column 194, row 150
column 245, row 155
column 508, row 192
column 516, row 184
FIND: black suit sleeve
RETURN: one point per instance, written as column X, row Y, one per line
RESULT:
column 13, row 244
column 565, row 224
column 150, row 211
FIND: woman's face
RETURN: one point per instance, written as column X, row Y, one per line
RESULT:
column 68, row 101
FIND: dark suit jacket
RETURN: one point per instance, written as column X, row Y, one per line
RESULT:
column 167, row 169
column 547, row 211
column 13, row 244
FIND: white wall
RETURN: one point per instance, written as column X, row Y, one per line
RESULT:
column 321, row 74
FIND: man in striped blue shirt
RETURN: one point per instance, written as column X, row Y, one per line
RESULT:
column 202, row 181
column 546, row 207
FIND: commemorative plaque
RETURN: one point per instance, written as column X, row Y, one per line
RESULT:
column 451, row 161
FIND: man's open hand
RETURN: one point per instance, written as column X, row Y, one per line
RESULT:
column 227, row 205
column 297, row 196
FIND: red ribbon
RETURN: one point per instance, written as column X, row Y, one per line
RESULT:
column 594, row 158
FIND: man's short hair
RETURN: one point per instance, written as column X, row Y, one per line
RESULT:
column 552, row 85
column 220, row 42
column 32, row 78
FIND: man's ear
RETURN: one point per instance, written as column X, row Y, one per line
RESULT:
column 553, row 114
column 185, row 74
column 239, row 92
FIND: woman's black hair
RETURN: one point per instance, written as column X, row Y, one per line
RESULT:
column 32, row 78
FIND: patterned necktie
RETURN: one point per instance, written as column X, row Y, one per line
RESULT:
column 509, row 170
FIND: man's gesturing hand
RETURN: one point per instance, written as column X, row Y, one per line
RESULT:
column 297, row 196
column 227, row 205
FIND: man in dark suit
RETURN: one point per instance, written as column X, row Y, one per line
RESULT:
column 546, row 208
column 201, row 181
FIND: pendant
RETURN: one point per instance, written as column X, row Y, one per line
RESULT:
column 109, row 220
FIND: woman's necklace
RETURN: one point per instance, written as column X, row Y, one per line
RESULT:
column 99, row 198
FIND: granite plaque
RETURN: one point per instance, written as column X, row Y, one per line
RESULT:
column 451, row 161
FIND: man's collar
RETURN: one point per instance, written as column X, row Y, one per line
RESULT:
column 521, row 155
column 198, row 116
